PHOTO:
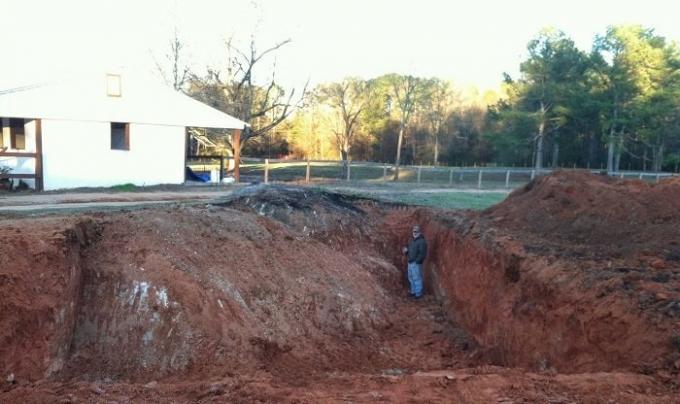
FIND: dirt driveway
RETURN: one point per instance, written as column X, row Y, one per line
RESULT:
column 12, row 203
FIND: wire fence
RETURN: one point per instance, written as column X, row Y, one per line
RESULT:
column 315, row 171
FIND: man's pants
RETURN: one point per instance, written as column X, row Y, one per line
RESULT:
column 415, row 278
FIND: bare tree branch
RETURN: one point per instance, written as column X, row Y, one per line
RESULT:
column 272, row 49
column 180, row 73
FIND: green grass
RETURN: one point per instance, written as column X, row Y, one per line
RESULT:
column 440, row 198
column 448, row 200
column 124, row 188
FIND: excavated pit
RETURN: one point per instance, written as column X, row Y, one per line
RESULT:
column 284, row 289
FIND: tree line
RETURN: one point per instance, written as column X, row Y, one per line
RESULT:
column 616, row 106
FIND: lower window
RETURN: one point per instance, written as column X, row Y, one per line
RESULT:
column 17, row 134
column 120, row 136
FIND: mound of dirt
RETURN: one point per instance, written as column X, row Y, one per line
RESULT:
column 599, row 216
column 195, row 292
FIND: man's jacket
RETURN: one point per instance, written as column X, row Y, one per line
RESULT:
column 417, row 250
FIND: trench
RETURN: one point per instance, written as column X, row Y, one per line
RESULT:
column 533, row 311
column 299, row 292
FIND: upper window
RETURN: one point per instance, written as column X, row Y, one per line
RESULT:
column 17, row 134
column 113, row 85
column 120, row 136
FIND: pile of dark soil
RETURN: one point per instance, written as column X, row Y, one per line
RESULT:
column 307, row 210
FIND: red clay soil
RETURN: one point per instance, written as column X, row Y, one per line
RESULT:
column 292, row 295
column 611, row 248
column 40, row 280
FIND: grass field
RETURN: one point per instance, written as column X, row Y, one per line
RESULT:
column 448, row 200
column 420, row 196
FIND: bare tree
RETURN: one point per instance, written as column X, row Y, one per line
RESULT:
column 180, row 72
column 348, row 98
column 404, row 93
column 234, row 91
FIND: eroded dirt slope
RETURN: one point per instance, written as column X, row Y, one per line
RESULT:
column 214, row 290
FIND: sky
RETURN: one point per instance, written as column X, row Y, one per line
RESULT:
column 468, row 42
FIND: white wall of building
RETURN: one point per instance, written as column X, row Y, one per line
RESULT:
column 78, row 154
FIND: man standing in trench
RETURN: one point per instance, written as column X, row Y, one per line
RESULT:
column 415, row 254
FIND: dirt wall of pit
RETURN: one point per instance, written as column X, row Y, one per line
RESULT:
column 534, row 310
column 40, row 281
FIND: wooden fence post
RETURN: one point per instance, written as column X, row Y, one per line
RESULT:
column 640, row 175
column 479, row 179
column 309, row 169
column 507, row 179
column 451, row 176
column 621, row 175
column 460, row 177
column 419, row 168
column 349, row 165
column 658, row 177
column 266, row 171
column 533, row 174
column 384, row 172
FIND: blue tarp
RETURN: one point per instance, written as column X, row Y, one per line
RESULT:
column 200, row 177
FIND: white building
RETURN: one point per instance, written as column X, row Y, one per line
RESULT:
column 100, row 131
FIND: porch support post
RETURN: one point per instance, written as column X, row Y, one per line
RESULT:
column 186, row 153
column 236, row 143
column 39, row 182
